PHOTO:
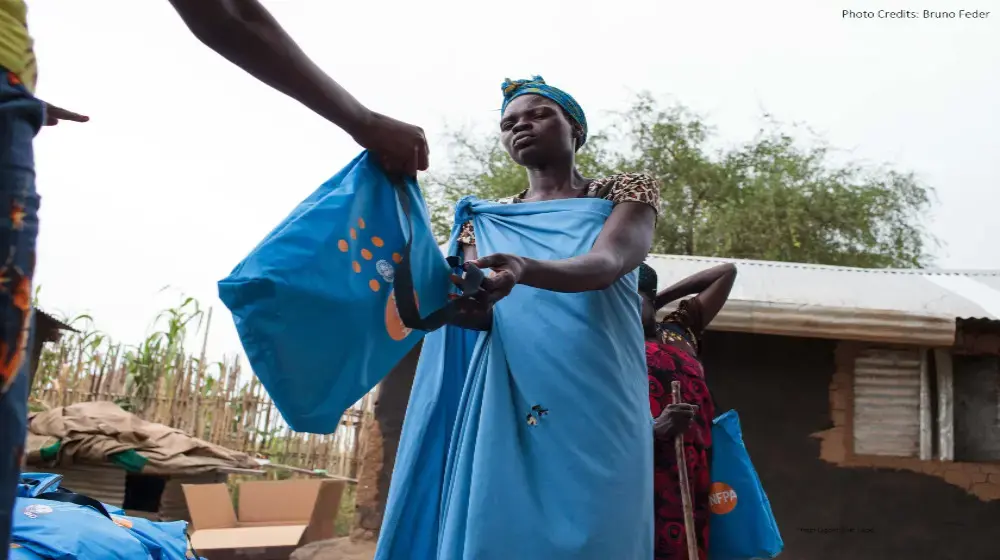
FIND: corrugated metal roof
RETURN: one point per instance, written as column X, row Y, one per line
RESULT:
column 910, row 306
column 915, row 292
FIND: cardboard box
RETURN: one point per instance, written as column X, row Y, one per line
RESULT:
column 274, row 518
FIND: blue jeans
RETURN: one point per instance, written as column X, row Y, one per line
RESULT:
column 21, row 115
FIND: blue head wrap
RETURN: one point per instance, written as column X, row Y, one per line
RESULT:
column 537, row 86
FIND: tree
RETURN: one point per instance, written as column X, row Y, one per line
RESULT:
column 771, row 198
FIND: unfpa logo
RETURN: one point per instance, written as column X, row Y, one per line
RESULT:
column 721, row 498
column 384, row 273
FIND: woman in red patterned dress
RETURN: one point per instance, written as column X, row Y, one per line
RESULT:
column 672, row 355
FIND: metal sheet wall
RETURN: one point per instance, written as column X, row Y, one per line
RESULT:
column 887, row 402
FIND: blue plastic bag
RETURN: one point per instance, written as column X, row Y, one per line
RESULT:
column 314, row 303
column 163, row 540
column 33, row 484
column 742, row 524
column 18, row 552
column 67, row 531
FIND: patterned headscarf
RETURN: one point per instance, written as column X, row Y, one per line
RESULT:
column 647, row 281
column 537, row 86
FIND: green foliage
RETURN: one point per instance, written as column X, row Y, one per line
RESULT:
column 771, row 198
column 160, row 356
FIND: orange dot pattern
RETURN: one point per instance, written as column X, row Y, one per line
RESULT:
column 394, row 326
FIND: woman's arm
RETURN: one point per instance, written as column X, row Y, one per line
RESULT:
column 247, row 35
column 696, row 283
column 712, row 285
column 621, row 246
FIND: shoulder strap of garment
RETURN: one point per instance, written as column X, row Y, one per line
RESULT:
column 74, row 498
column 403, row 283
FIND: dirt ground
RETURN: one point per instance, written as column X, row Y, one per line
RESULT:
column 336, row 549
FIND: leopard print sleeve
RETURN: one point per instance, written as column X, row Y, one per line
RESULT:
column 630, row 187
column 467, row 236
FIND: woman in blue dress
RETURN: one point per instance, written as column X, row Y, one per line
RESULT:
column 530, row 437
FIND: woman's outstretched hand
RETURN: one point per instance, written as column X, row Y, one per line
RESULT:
column 675, row 420
column 507, row 272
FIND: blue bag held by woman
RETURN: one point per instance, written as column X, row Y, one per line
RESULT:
column 743, row 526
column 315, row 302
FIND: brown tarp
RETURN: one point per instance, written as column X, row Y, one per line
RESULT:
column 89, row 432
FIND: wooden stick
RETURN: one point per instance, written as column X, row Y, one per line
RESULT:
column 682, row 473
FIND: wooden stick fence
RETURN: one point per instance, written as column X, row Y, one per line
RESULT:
column 218, row 402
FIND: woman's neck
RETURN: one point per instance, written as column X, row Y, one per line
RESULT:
column 556, row 182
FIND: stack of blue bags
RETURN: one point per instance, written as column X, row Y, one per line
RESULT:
column 51, row 522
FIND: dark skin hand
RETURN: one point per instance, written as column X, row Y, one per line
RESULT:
column 538, row 135
column 675, row 420
column 54, row 115
column 246, row 34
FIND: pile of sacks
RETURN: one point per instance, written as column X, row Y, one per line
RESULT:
column 52, row 522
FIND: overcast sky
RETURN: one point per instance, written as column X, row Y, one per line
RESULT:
column 188, row 161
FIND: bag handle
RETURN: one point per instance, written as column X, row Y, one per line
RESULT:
column 405, row 303
column 39, row 485
column 74, row 498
